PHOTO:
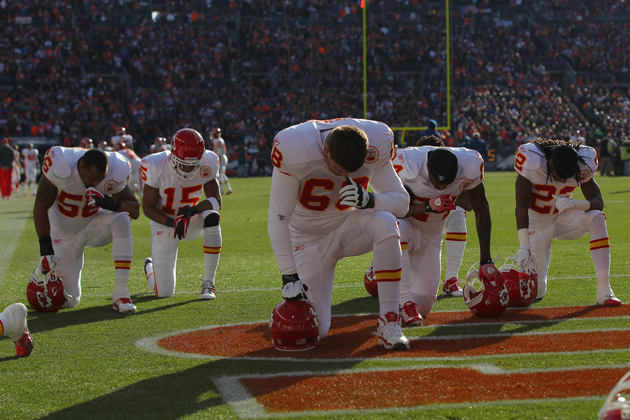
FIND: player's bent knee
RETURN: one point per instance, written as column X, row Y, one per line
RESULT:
column 121, row 224
column 211, row 220
column 383, row 225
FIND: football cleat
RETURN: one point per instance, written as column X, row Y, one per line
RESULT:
column 451, row 288
column 208, row 291
column 124, row 305
column 411, row 314
column 617, row 404
column 390, row 334
column 19, row 332
column 609, row 300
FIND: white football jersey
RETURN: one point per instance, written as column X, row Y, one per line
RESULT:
column 132, row 157
column 70, row 211
column 31, row 157
column 218, row 145
column 411, row 164
column 299, row 152
column 175, row 192
column 530, row 162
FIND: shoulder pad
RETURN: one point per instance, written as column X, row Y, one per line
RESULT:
column 60, row 166
column 471, row 162
column 119, row 166
column 534, row 157
column 590, row 157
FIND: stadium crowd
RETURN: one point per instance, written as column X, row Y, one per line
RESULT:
column 520, row 69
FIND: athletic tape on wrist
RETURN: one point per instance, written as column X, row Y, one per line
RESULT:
column 523, row 236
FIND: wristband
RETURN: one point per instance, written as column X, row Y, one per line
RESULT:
column 289, row 278
column 45, row 246
column 214, row 202
column 486, row 261
column 523, row 236
column 427, row 207
column 169, row 222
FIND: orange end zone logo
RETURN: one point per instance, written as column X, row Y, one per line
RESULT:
column 481, row 380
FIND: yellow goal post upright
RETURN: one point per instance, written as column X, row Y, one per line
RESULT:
column 364, row 5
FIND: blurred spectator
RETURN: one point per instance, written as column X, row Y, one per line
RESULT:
column 607, row 151
column 478, row 144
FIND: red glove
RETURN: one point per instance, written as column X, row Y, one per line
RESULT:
column 180, row 226
column 441, row 203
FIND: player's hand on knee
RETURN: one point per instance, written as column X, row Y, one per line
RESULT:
column 440, row 203
column 354, row 195
column 294, row 289
column 95, row 198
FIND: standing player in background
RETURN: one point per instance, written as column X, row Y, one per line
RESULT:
column 320, row 212
column 17, row 168
column 120, row 137
column 174, row 182
column 437, row 176
column 549, row 171
column 218, row 144
column 6, row 169
column 13, row 324
column 90, row 205
column 31, row 168
column 86, row 143
column 135, row 182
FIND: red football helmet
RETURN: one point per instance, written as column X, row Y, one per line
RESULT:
column 617, row 405
column 215, row 132
column 294, row 326
column 522, row 285
column 369, row 280
column 86, row 143
column 121, row 145
column 490, row 301
column 102, row 145
column 120, row 131
column 45, row 293
column 187, row 151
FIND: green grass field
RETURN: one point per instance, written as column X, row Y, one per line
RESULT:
column 86, row 363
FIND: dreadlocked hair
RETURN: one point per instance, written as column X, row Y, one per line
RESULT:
column 546, row 146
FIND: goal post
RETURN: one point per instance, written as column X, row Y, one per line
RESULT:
column 364, row 6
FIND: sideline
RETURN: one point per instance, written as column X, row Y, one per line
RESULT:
column 14, row 214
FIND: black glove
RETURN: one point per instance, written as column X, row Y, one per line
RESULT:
column 354, row 195
column 188, row 211
column 95, row 198
column 294, row 289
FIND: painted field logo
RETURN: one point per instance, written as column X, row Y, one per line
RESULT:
column 477, row 345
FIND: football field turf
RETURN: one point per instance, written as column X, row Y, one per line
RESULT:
column 181, row 357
